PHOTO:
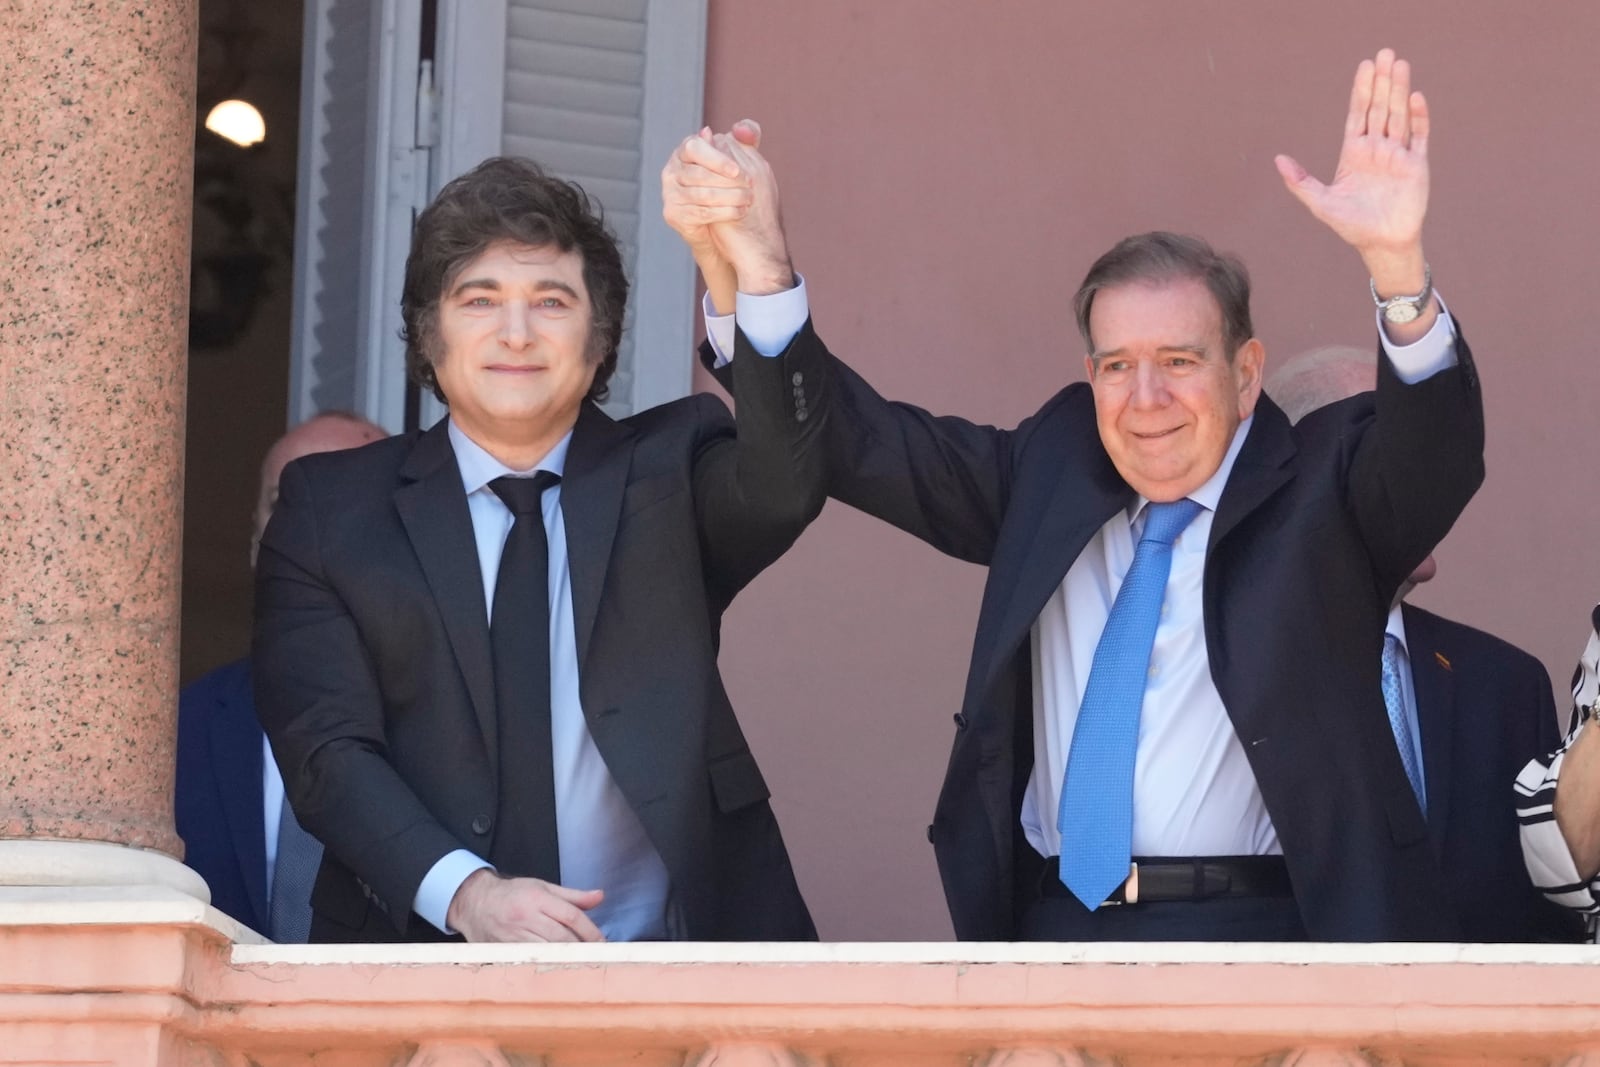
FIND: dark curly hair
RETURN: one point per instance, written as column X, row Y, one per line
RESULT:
column 509, row 199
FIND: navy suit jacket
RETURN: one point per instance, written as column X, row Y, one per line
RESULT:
column 218, row 802
column 1317, row 528
column 1485, row 708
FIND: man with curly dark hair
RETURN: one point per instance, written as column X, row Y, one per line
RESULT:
column 486, row 653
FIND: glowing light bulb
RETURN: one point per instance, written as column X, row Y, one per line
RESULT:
column 238, row 121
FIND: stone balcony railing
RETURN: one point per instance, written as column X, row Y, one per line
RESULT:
column 150, row 977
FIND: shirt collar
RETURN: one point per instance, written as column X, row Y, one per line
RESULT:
column 1396, row 626
column 479, row 468
column 1208, row 495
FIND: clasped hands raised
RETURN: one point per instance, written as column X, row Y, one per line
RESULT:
column 720, row 195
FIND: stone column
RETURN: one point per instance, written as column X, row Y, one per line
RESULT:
column 97, row 142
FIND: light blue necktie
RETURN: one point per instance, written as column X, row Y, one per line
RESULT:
column 1394, row 700
column 1096, row 813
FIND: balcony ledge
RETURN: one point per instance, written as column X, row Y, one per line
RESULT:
column 165, row 971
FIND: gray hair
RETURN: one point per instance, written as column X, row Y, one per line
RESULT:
column 1321, row 376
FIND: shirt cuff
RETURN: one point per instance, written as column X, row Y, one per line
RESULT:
column 1431, row 353
column 439, row 886
column 769, row 322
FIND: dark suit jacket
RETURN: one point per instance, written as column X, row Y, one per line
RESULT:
column 373, row 672
column 1485, row 709
column 217, row 802
column 1315, row 530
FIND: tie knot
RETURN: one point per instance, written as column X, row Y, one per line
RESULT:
column 1164, row 522
column 522, row 495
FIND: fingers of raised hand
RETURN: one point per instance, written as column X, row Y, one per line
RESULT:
column 746, row 156
column 1419, row 124
column 747, row 131
column 1378, row 104
column 708, row 196
column 1399, row 126
column 702, row 150
column 1355, row 123
column 754, row 166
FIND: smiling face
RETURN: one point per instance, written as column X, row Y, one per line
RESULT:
column 1167, row 397
column 513, row 348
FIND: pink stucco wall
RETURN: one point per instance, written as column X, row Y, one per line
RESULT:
column 949, row 171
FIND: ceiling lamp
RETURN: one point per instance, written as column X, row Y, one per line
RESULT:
column 238, row 121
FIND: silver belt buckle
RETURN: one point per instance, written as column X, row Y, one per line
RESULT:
column 1130, row 889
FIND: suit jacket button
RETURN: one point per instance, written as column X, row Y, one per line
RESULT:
column 480, row 824
column 801, row 415
column 960, row 721
column 798, row 379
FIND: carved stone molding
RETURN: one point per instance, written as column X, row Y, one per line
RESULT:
column 1331, row 1057
column 1041, row 1057
column 464, row 1054
column 752, row 1054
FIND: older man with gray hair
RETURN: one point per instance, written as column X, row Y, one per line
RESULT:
column 1467, row 711
column 238, row 831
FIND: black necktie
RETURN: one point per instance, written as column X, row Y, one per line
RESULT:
column 519, row 636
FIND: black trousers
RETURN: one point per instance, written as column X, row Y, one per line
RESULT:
column 1058, row 918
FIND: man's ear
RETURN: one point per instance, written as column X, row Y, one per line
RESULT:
column 1249, row 363
column 1088, row 368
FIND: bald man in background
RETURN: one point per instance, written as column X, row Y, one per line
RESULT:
column 238, row 833
column 1466, row 708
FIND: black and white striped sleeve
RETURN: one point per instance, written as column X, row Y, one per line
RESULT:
column 1549, row 861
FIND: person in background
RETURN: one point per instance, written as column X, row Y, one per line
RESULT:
column 238, row 831
column 1558, row 801
column 1466, row 710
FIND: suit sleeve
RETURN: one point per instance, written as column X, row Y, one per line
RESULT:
column 941, row 479
column 758, row 487
column 318, row 699
column 1416, row 467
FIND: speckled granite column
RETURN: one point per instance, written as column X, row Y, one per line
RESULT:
column 96, row 163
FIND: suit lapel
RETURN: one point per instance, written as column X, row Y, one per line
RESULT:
column 234, row 738
column 1086, row 495
column 433, row 509
column 1082, row 498
column 1261, row 469
column 1434, row 685
column 592, row 488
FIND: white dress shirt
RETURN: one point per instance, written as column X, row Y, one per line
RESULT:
column 1188, row 752
column 272, row 805
column 601, row 842
column 1194, row 793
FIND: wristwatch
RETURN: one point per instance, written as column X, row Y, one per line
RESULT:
column 1403, row 309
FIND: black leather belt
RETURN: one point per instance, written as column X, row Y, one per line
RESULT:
column 1164, row 878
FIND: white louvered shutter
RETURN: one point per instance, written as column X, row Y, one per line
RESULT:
column 363, row 174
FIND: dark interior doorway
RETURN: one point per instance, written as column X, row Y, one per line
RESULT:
column 240, row 298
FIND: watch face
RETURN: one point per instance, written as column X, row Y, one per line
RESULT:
column 1401, row 312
